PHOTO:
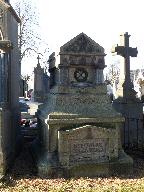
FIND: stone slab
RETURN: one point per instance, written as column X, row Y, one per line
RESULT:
column 87, row 144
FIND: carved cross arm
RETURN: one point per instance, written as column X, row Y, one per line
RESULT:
column 133, row 52
column 120, row 50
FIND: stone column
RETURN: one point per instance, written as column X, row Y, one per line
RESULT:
column 63, row 80
column 1, row 147
column 99, row 76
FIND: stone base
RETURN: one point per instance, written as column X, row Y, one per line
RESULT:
column 132, row 130
column 48, row 167
column 46, row 163
column 118, row 167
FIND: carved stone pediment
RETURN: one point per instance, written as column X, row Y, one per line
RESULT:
column 82, row 44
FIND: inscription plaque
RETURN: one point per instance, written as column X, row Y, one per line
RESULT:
column 92, row 150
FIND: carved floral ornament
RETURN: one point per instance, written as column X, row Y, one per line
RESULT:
column 82, row 47
column 82, row 60
column 1, row 14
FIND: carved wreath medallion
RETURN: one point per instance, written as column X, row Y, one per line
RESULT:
column 80, row 75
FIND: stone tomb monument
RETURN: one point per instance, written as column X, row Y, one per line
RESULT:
column 79, row 128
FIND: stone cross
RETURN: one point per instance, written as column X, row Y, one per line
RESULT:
column 125, row 51
column 38, row 58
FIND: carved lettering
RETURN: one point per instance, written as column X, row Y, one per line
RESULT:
column 89, row 150
column 87, row 147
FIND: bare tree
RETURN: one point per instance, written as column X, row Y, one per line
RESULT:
column 28, row 37
column 113, row 72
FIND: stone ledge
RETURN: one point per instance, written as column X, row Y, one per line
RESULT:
column 84, row 120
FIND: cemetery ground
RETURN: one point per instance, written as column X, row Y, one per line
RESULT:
column 23, row 177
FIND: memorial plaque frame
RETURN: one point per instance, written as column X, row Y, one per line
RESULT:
column 89, row 150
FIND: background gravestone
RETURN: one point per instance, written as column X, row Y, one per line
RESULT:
column 127, row 103
column 78, row 114
column 41, row 83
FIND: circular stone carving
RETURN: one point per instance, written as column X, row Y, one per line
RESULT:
column 80, row 75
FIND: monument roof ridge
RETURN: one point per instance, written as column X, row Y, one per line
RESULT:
column 11, row 9
column 14, row 13
column 4, row 3
column 81, row 44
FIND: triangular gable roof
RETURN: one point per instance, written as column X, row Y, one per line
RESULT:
column 10, row 8
column 82, row 44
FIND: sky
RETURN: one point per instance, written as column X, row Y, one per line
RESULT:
column 101, row 20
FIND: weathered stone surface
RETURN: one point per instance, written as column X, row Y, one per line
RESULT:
column 82, row 44
column 87, row 144
column 85, row 101
column 79, row 128
column 9, row 85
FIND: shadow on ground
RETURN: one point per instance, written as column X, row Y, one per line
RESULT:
column 24, row 168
